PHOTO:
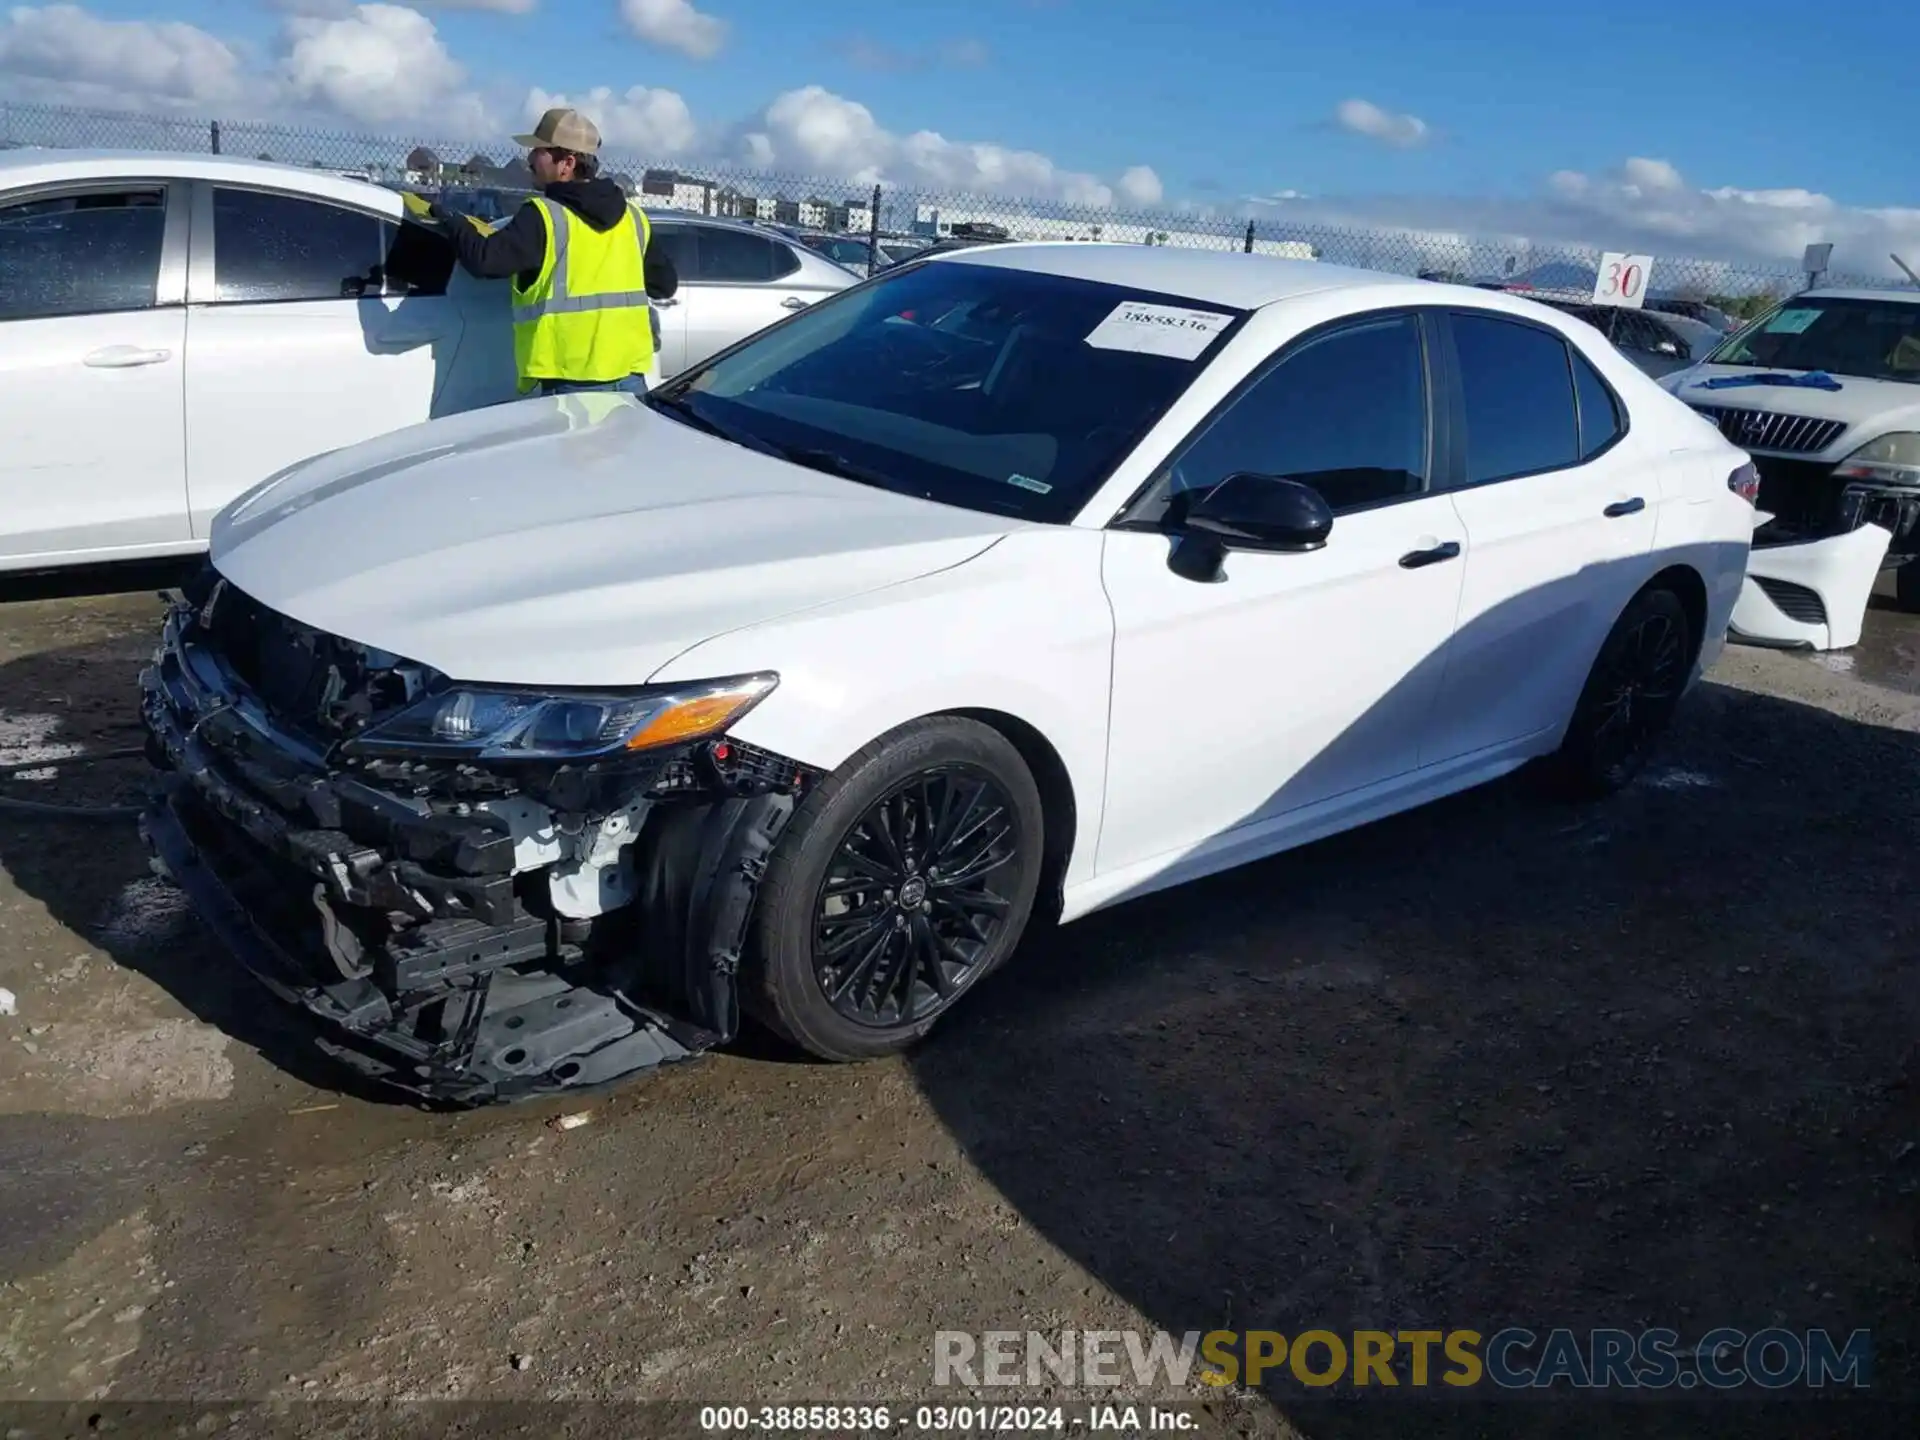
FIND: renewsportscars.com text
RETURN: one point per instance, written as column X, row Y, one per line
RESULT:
column 1514, row 1358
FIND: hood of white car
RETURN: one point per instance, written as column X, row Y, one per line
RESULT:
column 579, row 540
column 1887, row 404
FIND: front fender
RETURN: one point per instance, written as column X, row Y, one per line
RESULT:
column 1023, row 629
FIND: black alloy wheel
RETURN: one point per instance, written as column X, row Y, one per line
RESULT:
column 912, row 899
column 902, row 879
column 1631, row 694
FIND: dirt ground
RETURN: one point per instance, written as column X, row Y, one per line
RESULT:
column 1500, row 1061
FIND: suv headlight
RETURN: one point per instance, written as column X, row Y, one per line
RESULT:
column 485, row 723
column 1892, row 458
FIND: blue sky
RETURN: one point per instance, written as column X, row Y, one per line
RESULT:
column 1239, row 92
column 1744, row 130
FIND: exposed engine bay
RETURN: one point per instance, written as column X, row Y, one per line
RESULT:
column 465, row 931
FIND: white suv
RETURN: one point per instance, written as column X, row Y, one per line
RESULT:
column 1824, row 392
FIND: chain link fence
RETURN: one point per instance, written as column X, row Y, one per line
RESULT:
column 892, row 218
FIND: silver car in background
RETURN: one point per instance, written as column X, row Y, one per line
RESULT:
column 734, row 279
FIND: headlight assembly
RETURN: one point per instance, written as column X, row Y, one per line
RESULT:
column 1893, row 458
column 484, row 723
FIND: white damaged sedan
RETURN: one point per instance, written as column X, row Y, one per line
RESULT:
column 529, row 748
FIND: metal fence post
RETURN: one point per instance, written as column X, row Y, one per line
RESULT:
column 213, row 135
column 873, row 232
column 1249, row 237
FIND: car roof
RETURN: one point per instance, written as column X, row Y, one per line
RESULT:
column 1910, row 297
column 23, row 167
column 1220, row 277
column 719, row 222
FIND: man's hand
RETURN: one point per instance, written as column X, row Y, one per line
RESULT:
column 418, row 207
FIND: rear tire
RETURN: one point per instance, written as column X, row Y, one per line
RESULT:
column 905, row 877
column 1629, row 698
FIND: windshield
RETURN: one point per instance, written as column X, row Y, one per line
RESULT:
column 1878, row 339
column 973, row 385
column 844, row 252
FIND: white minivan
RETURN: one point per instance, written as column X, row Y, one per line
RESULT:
column 176, row 328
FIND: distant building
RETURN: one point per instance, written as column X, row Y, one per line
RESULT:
column 670, row 190
column 854, row 215
column 935, row 223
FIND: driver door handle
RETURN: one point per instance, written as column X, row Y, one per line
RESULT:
column 1414, row 559
column 125, row 357
column 793, row 302
column 1624, row 507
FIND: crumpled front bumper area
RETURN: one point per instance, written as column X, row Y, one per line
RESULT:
column 398, row 923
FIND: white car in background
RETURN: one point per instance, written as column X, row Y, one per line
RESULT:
column 529, row 748
column 176, row 328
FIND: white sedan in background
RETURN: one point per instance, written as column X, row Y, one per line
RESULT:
column 1033, row 577
column 176, row 328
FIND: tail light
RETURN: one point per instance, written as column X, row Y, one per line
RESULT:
column 1745, row 482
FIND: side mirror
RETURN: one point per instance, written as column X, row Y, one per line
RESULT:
column 1247, row 512
column 1667, row 347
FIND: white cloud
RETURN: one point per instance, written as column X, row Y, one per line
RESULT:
column 63, row 54
column 334, row 8
column 1140, row 186
column 814, row 132
column 655, row 123
column 381, row 65
column 675, row 25
column 1363, row 117
column 1705, row 236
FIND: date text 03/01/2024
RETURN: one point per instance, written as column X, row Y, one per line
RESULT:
column 940, row 1419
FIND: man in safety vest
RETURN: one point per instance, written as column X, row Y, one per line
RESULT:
column 581, row 264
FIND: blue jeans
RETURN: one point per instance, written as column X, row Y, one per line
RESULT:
column 632, row 385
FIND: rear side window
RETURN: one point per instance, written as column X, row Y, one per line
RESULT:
column 736, row 257
column 85, row 254
column 1516, row 386
column 279, row 247
column 676, row 242
column 1599, row 411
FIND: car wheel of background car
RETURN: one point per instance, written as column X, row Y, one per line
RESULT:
column 1630, row 695
column 1906, row 587
column 906, row 876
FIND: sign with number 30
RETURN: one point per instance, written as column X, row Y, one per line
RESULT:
column 1622, row 279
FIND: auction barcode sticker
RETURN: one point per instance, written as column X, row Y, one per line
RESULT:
column 1158, row 329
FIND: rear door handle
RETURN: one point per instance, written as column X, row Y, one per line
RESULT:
column 125, row 357
column 1624, row 507
column 793, row 302
column 1414, row 559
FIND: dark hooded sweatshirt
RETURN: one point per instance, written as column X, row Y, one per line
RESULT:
column 519, row 247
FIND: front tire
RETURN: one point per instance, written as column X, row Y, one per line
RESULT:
column 1630, row 696
column 903, row 878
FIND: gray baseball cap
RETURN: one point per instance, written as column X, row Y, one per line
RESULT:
column 564, row 129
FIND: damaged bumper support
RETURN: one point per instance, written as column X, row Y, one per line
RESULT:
column 1820, row 544
column 461, row 933
column 1810, row 595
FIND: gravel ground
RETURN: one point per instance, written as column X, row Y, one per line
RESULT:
column 1500, row 1061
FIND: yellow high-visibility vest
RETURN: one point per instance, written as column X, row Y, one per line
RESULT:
column 585, row 317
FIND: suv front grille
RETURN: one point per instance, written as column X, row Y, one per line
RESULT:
column 1770, row 430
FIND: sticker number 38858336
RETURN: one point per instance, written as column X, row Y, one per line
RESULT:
column 1158, row 329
